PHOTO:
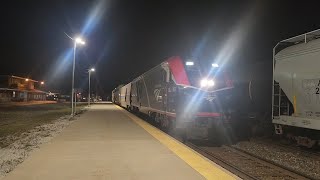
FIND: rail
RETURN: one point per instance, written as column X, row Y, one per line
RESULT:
column 246, row 165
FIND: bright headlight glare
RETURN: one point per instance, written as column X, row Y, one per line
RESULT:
column 204, row 82
column 210, row 83
column 189, row 63
column 215, row 65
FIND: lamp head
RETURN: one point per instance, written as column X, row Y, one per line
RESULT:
column 80, row 41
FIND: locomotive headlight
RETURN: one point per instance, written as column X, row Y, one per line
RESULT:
column 206, row 83
column 210, row 83
column 189, row 63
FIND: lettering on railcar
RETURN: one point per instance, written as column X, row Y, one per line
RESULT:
column 309, row 113
column 317, row 114
column 311, row 91
column 305, row 122
column 157, row 96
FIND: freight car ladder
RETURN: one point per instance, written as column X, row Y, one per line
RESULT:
column 281, row 104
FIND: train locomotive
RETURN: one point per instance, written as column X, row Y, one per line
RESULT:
column 177, row 95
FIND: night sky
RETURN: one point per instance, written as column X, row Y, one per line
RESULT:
column 126, row 38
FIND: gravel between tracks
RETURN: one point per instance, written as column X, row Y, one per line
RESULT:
column 25, row 143
column 296, row 160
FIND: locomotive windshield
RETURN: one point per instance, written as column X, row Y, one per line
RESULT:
column 194, row 74
column 208, row 78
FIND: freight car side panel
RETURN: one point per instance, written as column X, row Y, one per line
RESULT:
column 297, row 72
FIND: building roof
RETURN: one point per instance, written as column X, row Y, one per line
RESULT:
column 32, row 90
column 24, row 78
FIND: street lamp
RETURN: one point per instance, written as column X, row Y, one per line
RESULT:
column 89, row 71
column 77, row 40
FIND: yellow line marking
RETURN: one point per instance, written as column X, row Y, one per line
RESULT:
column 199, row 163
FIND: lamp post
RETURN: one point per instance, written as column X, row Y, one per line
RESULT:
column 76, row 41
column 90, row 70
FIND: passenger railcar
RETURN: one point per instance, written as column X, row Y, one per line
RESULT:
column 125, row 96
column 116, row 95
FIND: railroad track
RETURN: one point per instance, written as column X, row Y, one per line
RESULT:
column 289, row 147
column 245, row 165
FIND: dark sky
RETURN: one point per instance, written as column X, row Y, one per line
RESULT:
column 126, row 38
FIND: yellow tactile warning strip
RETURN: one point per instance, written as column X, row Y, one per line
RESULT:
column 207, row 169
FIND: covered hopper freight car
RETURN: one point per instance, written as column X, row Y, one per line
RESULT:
column 296, row 94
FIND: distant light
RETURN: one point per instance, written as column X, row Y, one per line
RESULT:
column 215, row 65
column 42, row 83
column 206, row 82
column 27, row 79
column 189, row 63
column 80, row 41
column 92, row 69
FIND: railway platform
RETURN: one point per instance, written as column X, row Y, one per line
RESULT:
column 108, row 142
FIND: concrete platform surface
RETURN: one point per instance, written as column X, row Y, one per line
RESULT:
column 104, row 143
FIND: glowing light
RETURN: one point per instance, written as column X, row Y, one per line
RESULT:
column 215, row 65
column 79, row 41
column 210, row 83
column 96, row 14
column 206, row 83
column 92, row 69
column 189, row 63
column 42, row 83
column 27, row 79
column 236, row 38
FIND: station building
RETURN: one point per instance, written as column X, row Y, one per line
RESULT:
column 15, row 88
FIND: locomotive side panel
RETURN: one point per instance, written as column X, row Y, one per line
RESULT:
column 141, row 101
column 156, row 88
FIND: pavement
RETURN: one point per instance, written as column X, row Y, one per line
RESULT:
column 105, row 143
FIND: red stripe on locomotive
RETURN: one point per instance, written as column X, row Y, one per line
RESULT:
column 177, row 68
